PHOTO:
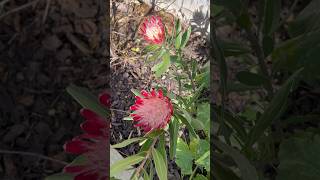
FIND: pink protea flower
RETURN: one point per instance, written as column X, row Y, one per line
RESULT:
column 152, row 111
column 93, row 145
column 152, row 30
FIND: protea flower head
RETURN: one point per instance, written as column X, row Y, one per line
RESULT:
column 93, row 145
column 151, row 111
column 152, row 30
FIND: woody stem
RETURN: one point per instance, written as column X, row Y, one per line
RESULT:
column 138, row 170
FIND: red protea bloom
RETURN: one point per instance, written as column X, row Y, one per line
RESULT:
column 152, row 111
column 152, row 30
column 93, row 145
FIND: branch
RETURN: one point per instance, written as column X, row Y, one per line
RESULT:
column 33, row 154
column 146, row 158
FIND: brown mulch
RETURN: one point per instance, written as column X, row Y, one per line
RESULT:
column 44, row 47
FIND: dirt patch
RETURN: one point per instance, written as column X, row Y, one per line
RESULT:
column 45, row 46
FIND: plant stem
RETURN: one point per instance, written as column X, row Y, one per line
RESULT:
column 260, row 55
column 33, row 154
column 146, row 158
column 193, row 173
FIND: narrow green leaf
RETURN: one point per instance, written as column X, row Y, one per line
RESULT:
column 157, row 55
column 222, row 173
column 271, row 16
column 127, row 142
column 184, row 157
column 173, row 130
column 187, row 123
column 200, row 177
column 152, row 47
column 79, row 160
column 185, row 37
column 204, row 160
column 196, row 123
column 203, row 115
column 160, row 164
column 87, row 100
column 125, row 163
column 251, row 79
column 274, row 110
column 136, row 92
column 248, row 172
column 178, row 41
column 146, row 145
column 162, row 147
column 60, row 176
column 128, row 118
column 163, row 66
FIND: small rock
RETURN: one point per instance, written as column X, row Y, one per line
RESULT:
column 51, row 112
column 125, row 75
column 26, row 100
column 52, row 43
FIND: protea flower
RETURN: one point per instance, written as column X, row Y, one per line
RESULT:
column 152, row 111
column 93, row 145
column 152, row 30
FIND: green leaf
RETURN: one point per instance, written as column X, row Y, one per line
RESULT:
column 136, row 92
column 152, row 47
column 251, row 79
column 157, row 55
column 162, row 147
column 178, row 26
column 146, row 145
column 163, row 66
column 233, row 48
column 204, row 160
column 307, row 20
column 79, row 160
column 173, row 130
column 178, row 41
column 200, row 177
column 222, row 173
column 87, row 100
column 267, row 44
column 187, row 123
column 274, row 110
column 127, row 142
column 198, row 147
column 60, row 176
column 196, row 123
column 185, row 37
column 161, row 166
column 126, row 163
column 184, row 157
column 203, row 115
column 234, row 121
column 271, row 16
column 299, row 159
column 128, row 118
column 248, row 172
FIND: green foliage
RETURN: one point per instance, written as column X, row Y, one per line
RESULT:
column 87, row 100
column 300, row 158
column 184, row 157
column 248, row 139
